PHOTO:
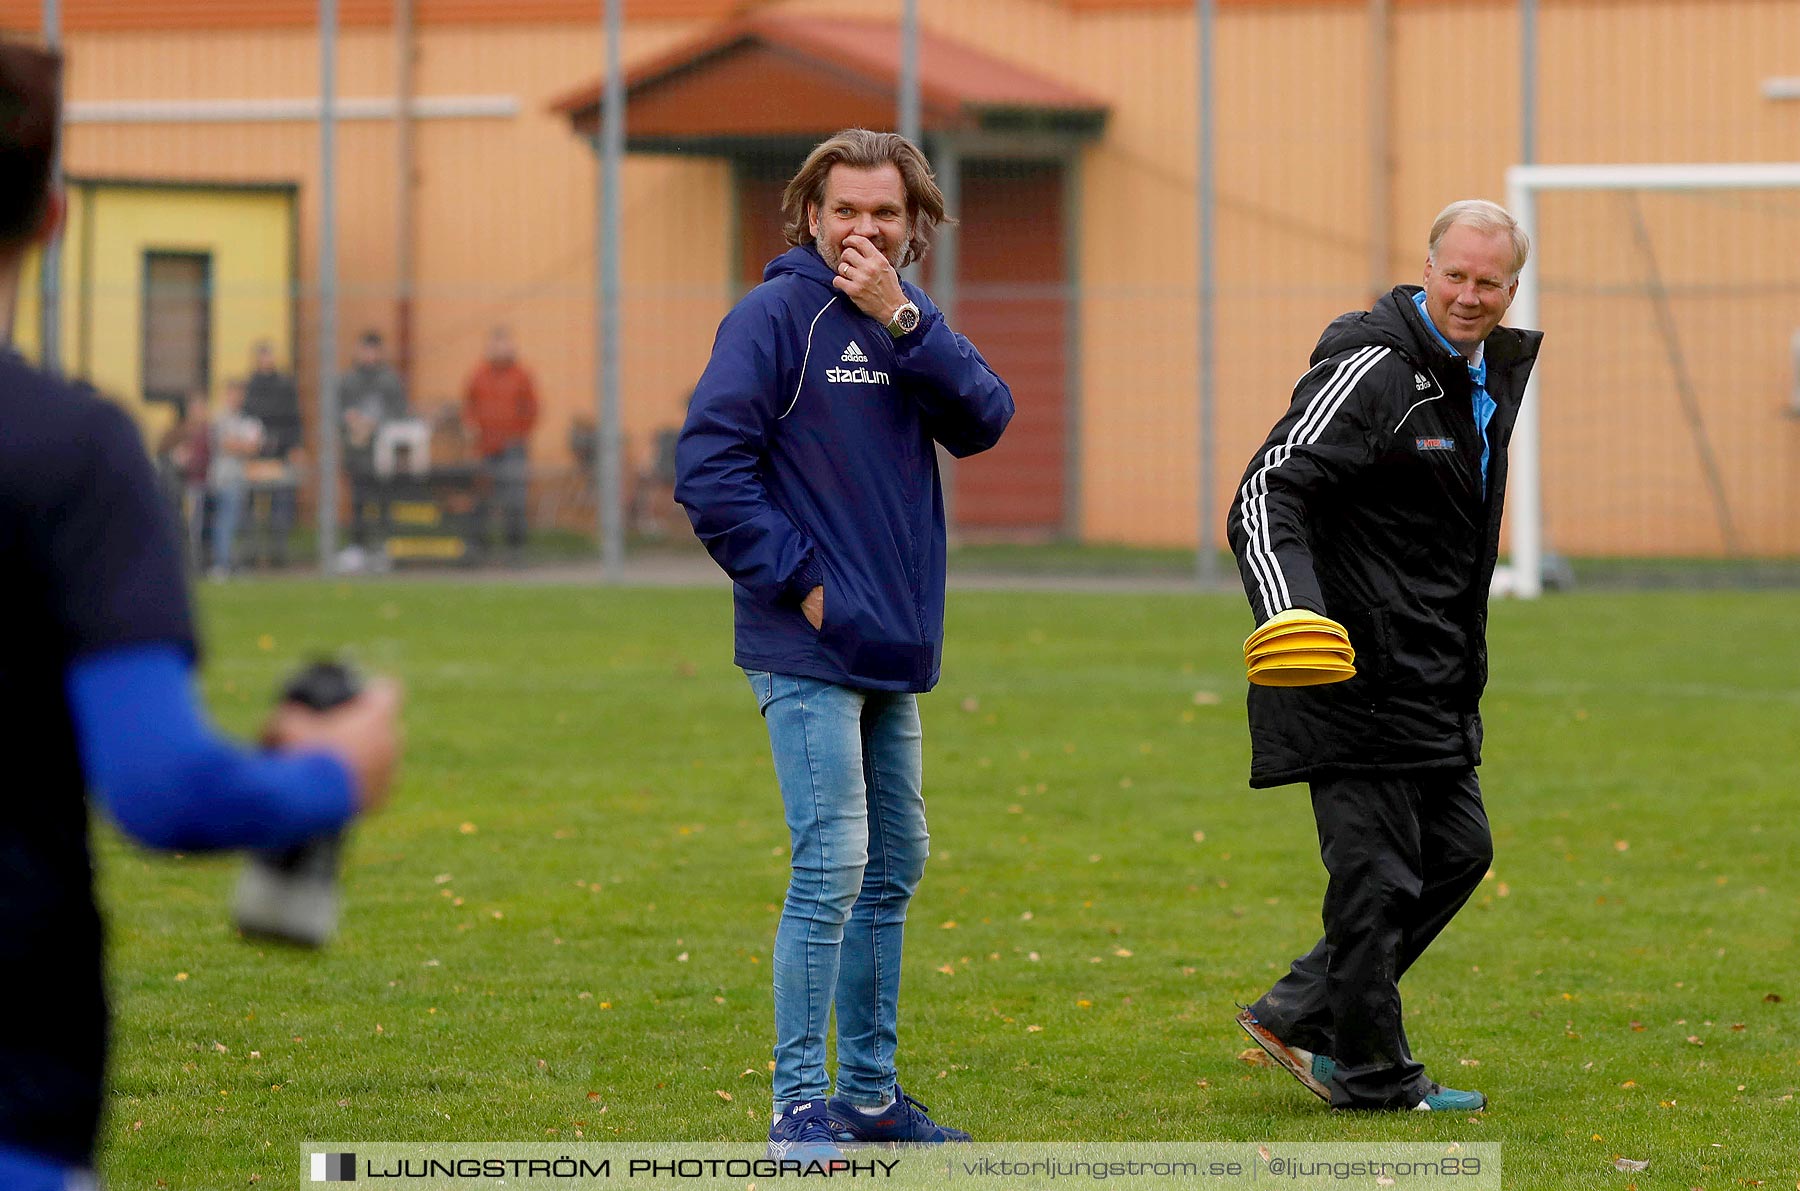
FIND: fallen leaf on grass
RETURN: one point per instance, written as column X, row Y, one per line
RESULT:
column 1255, row 1056
column 722, row 1094
column 1629, row 1164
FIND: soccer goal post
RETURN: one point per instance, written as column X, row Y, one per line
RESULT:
column 1524, row 574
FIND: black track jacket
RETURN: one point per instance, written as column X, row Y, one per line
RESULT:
column 1365, row 504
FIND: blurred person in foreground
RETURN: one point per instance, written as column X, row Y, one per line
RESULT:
column 500, row 406
column 808, row 467
column 1376, row 500
column 271, row 398
column 96, row 694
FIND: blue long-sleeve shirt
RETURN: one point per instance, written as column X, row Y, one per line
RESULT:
column 169, row 781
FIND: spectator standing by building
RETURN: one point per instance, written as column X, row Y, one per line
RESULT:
column 271, row 397
column 236, row 438
column 370, row 395
column 500, row 406
column 184, row 454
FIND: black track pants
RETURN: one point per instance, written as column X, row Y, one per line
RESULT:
column 1404, row 853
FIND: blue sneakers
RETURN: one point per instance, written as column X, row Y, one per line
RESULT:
column 804, row 1134
column 902, row 1123
column 1443, row 1099
column 1310, row 1069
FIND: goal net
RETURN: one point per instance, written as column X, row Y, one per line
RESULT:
column 1661, row 433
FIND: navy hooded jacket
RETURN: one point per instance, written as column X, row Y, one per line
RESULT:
column 807, row 459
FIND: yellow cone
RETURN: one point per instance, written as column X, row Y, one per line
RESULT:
column 1294, row 620
column 1301, row 642
column 1300, row 675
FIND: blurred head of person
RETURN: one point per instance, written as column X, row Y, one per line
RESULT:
column 262, row 356
column 30, row 115
column 234, row 396
column 370, row 350
column 501, row 350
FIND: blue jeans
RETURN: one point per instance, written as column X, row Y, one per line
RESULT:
column 228, row 510
column 849, row 763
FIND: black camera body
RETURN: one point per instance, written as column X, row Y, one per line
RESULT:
column 291, row 894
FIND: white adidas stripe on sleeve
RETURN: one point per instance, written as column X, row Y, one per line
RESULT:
column 1271, row 584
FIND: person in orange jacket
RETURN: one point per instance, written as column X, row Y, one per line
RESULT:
column 500, row 407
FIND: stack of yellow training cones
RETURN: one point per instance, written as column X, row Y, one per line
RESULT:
column 1299, row 648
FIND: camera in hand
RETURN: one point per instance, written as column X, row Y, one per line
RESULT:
column 291, row 893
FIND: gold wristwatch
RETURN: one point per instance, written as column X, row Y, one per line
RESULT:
column 905, row 320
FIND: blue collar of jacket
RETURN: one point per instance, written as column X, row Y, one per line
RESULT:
column 803, row 259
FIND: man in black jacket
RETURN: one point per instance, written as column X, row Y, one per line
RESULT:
column 272, row 399
column 1376, row 501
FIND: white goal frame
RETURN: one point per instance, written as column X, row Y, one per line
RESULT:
column 1524, row 576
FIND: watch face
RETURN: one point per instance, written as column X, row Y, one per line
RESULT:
column 906, row 318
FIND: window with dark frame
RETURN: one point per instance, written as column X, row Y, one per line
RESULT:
column 177, row 325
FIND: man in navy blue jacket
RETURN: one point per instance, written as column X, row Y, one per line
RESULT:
column 809, row 469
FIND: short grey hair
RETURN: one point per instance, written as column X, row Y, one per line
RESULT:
column 1488, row 218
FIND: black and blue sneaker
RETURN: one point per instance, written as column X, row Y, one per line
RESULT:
column 1442, row 1099
column 904, row 1122
column 804, row 1134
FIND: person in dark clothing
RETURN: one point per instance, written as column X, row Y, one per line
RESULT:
column 96, row 696
column 1376, row 500
column 808, row 467
column 370, row 395
column 272, row 399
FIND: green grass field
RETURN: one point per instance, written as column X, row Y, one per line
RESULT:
column 560, row 930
